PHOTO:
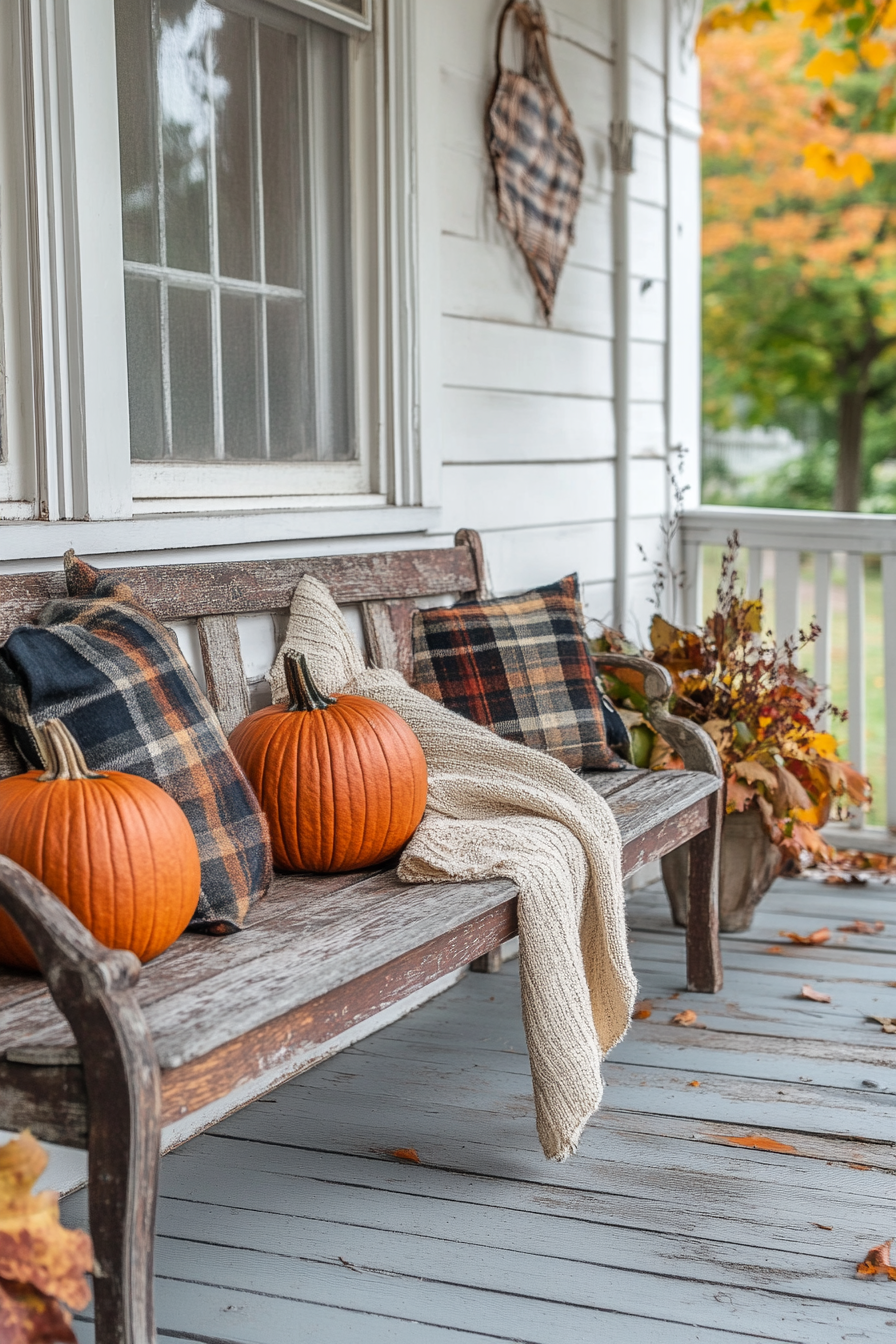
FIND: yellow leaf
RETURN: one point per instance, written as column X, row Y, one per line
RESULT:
column 827, row 65
column 857, row 167
column 888, row 18
column 874, row 52
column 821, row 159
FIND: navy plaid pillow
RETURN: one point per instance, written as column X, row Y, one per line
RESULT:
column 115, row 676
column 520, row 666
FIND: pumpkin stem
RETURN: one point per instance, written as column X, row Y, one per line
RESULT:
column 303, row 693
column 63, row 757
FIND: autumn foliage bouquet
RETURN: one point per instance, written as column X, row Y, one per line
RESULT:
column 761, row 711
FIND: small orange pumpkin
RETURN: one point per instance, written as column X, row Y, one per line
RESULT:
column 113, row 847
column 341, row 779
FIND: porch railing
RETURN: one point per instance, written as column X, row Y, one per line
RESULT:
column 791, row 536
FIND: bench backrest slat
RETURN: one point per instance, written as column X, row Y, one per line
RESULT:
column 386, row 585
column 242, row 587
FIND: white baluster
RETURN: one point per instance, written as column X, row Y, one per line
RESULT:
column 787, row 595
column 693, row 582
column 754, row 571
column 822, row 614
column 888, row 578
column 855, row 664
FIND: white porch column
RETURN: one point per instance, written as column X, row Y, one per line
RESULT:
column 683, row 348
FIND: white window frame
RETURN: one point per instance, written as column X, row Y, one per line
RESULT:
column 75, row 300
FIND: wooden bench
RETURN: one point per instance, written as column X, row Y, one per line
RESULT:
column 105, row 1054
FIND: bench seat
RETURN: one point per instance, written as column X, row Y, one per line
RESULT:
column 319, row 955
column 123, row 1061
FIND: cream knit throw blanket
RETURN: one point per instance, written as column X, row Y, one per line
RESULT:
column 497, row 809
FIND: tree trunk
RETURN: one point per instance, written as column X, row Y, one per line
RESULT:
column 848, row 490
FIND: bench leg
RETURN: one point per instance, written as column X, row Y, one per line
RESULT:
column 491, row 961
column 123, row 1149
column 703, row 951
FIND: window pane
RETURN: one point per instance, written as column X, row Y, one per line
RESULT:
column 243, row 429
column 144, row 334
column 136, row 101
column 190, row 350
column 278, row 70
column 183, row 56
column 287, row 393
column 234, row 149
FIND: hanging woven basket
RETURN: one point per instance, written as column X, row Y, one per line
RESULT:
column 535, row 153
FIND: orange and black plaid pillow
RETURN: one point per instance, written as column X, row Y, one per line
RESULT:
column 520, row 666
column 103, row 664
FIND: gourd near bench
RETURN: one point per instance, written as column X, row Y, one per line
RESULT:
column 111, row 1058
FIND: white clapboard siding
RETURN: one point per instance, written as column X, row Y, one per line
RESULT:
column 648, row 486
column 462, row 101
column 646, row 37
column 647, row 309
column 525, row 359
column 647, row 429
column 648, row 182
column 481, row 425
column 464, row 184
column 648, row 98
column 592, row 17
column 648, row 240
column 467, row 40
column 521, row 558
column 489, row 280
column 647, row 372
column 526, row 494
column 593, row 245
column 597, row 600
column 587, row 85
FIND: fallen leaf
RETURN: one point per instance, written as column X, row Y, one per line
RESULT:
column 807, row 992
column 825, row 1227
column 877, row 1261
column 775, row 951
column 42, row 1264
column 694, row 1083
column 807, row 939
column 643, row 1009
column 676, row 995
column 887, row 1024
column 761, row 1141
column 687, row 1018
column 406, row 1154
column 861, row 926
column 858, row 1166
column 348, row 1264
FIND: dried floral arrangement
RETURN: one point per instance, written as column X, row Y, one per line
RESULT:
column 759, row 708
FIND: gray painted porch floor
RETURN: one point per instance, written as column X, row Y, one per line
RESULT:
column 291, row 1221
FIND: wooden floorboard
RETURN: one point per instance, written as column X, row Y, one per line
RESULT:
column 293, row 1220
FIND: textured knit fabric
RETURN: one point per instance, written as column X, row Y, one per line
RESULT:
column 117, row 679
column 496, row 809
column 537, row 159
column 520, row 666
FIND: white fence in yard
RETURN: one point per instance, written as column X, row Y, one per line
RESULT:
column 750, row 452
column 792, row 534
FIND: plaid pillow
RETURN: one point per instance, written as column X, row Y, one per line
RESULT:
column 520, row 666
column 116, row 677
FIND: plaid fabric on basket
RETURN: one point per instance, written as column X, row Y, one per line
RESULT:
column 115, row 676
column 536, row 156
column 520, row 666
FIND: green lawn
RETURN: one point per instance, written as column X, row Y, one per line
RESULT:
column 874, row 653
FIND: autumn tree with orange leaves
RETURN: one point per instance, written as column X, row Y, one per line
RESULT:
column 800, row 224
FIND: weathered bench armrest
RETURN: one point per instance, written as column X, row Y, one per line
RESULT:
column 94, row 988
column 693, row 744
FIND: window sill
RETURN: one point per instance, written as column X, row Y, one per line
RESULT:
column 167, row 532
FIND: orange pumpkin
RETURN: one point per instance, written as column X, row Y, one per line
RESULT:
column 113, row 847
column 341, row 779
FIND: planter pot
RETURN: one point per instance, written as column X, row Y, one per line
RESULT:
column 750, row 863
